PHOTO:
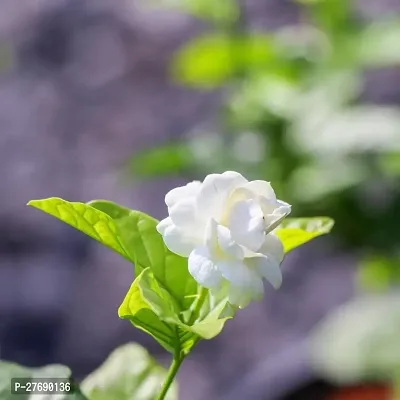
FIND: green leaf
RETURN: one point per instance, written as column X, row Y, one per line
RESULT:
column 165, row 160
column 293, row 232
column 10, row 370
column 86, row 219
column 138, row 231
column 211, row 60
column 378, row 45
column 128, row 373
column 152, row 310
column 160, row 301
column 359, row 341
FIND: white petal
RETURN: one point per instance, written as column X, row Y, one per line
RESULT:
column 163, row 225
column 273, row 246
column 246, row 223
column 273, row 219
column 268, row 267
column 243, row 297
column 203, row 269
column 178, row 241
column 184, row 213
column 261, row 188
column 220, row 242
column 215, row 191
column 179, row 193
column 238, row 274
column 227, row 244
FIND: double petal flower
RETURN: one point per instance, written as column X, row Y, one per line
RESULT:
column 224, row 226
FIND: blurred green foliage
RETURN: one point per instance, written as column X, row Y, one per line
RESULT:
column 293, row 113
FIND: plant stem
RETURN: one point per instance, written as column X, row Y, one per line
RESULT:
column 197, row 304
column 173, row 370
column 178, row 355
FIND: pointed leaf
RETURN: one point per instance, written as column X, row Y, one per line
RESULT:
column 86, row 219
column 293, row 232
column 139, row 234
column 128, row 373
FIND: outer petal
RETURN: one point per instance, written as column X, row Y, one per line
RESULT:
column 215, row 190
column 176, row 240
column 243, row 297
column 273, row 219
column 262, row 189
column 239, row 274
column 203, row 269
column 163, row 225
column 246, row 222
column 179, row 193
column 184, row 213
column 268, row 268
column 272, row 246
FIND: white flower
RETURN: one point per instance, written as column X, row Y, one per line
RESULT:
column 224, row 226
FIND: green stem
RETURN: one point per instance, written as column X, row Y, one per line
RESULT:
column 178, row 355
column 197, row 305
column 173, row 370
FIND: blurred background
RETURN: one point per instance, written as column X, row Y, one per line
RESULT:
column 125, row 99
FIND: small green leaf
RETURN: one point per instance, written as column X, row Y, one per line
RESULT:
column 210, row 60
column 293, row 232
column 86, row 219
column 152, row 310
column 128, row 373
column 10, row 370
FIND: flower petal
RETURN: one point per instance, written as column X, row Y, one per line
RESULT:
column 220, row 243
column 238, row 273
column 179, row 193
column 228, row 244
column 163, row 225
column 272, row 246
column 184, row 213
column 273, row 219
column 262, row 189
column 203, row 269
column 242, row 298
column 215, row 190
column 268, row 267
column 176, row 240
column 246, row 222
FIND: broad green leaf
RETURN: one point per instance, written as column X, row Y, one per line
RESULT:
column 169, row 159
column 10, row 370
column 138, row 232
column 359, row 341
column 128, row 373
column 130, row 233
column 86, row 219
column 293, row 232
column 379, row 44
column 211, row 60
column 379, row 273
